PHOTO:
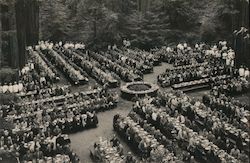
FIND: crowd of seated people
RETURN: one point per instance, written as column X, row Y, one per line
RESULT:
column 48, row 63
column 221, row 52
column 94, row 102
column 75, row 75
column 146, row 143
column 148, row 57
column 187, row 66
column 213, row 124
column 42, row 67
column 182, row 55
column 231, row 86
column 126, row 62
column 37, row 146
column 70, row 45
column 126, row 59
column 45, row 125
column 15, row 87
column 237, row 113
column 111, row 151
column 244, row 72
column 29, row 80
column 88, row 66
column 124, row 73
column 32, row 80
column 188, row 74
column 48, row 131
column 69, row 118
column 218, row 60
column 43, row 93
column 29, row 147
column 172, row 146
column 107, row 61
column 143, row 56
column 201, row 145
column 72, row 117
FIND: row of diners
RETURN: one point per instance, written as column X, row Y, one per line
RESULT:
column 173, row 127
column 106, row 67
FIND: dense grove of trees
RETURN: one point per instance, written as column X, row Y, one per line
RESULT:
column 147, row 23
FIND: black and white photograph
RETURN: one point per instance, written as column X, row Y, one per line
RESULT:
column 124, row 81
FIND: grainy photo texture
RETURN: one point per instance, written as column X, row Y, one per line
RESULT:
column 124, row 81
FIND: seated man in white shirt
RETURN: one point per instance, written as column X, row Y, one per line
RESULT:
column 5, row 87
column 168, row 49
column 60, row 43
column 20, row 87
column 15, row 87
column 224, row 48
column 247, row 73
column 185, row 45
column 241, row 71
column 10, row 88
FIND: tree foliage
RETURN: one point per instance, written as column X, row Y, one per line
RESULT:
column 55, row 23
column 102, row 22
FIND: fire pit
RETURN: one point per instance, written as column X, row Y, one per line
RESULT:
column 139, row 89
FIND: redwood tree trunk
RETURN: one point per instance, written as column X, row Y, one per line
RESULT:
column 27, row 22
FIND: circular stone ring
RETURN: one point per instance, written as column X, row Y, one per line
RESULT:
column 138, row 89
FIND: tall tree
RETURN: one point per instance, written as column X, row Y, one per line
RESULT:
column 55, row 20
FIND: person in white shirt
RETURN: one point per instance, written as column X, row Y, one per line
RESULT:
column 228, row 61
column 185, row 45
column 23, row 71
column 179, row 46
column 43, row 47
column 83, row 46
column 20, row 87
column 181, row 118
column 241, row 71
column 32, row 66
column 10, row 88
column 124, row 42
column 65, row 46
column 15, row 87
column 168, row 49
column 224, row 57
column 213, row 53
column 50, row 46
column 217, row 54
column 196, row 46
column 223, row 43
column 215, row 47
column 60, row 43
column 224, row 48
column 231, row 55
column 5, row 88
column 75, row 46
column 247, row 73
column 37, row 47
column 154, row 116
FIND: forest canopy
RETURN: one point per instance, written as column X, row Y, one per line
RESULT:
column 146, row 23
